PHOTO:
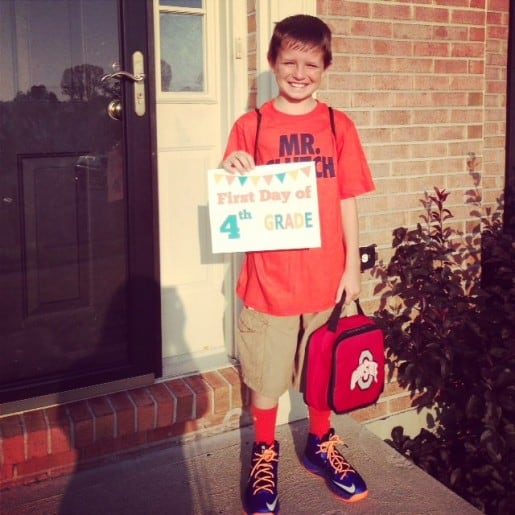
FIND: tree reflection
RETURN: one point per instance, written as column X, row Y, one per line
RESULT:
column 81, row 83
column 36, row 93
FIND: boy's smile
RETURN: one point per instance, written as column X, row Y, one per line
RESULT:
column 298, row 71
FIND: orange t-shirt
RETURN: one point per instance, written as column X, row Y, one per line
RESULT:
column 291, row 282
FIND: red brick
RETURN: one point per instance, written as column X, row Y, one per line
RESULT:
column 184, row 428
column 431, row 14
column 130, row 441
column 82, row 424
column 477, row 33
column 13, row 440
column 165, row 404
column 59, row 426
column 400, row 404
column 145, row 409
column 160, row 434
column 203, row 395
column 44, row 464
column 36, row 476
column 65, row 470
column 221, row 391
column 212, row 420
column 125, row 413
column 468, row 17
column 468, row 50
column 184, row 398
column 98, row 448
column 104, row 418
column 392, row 388
column 239, row 394
column 430, row 49
column 352, row 9
column 371, row 29
column 382, row 10
column 37, row 434
column 370, row 412
column 6, row 472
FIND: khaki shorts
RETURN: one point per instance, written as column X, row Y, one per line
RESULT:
column 271, row 349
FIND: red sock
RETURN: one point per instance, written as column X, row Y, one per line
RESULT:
column 264, row 424
column 319, row 421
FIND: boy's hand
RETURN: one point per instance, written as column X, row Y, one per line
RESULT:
column 238, row 161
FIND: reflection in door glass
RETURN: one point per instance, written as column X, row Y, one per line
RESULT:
column 182, row 54
column 69, row 64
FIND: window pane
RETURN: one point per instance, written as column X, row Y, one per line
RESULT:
column 195, row 4
column 182, row 55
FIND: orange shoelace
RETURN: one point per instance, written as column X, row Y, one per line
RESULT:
column 337, row 461
column 263, row 471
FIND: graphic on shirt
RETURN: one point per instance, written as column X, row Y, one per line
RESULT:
column 272, row 207
column 295, row 148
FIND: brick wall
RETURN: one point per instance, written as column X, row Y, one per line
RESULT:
column 494, row 133
column 425, row 82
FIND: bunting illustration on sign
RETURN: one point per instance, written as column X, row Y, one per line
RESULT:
column 272, row 207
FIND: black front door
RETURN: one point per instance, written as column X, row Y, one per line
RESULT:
column 79, row 295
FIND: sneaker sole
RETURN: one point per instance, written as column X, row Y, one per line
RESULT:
column 245, row 512
column 318, row 472
column 276, row 512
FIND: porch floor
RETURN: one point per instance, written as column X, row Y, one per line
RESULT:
column 206, row 476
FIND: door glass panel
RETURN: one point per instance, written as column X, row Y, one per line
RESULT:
column 63, row 211
column 182, row 52
column 182, row 3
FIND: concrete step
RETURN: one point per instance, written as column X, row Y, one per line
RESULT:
column 207, row 475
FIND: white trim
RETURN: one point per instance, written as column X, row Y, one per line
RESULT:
column 236, row 88
column 211, row 65
column 236, row 98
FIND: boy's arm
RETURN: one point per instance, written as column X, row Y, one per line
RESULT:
column 350, row 282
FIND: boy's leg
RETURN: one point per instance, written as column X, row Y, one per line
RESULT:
column 264, row 416
column 319, row 421
column 321, row 455
column 266, row 348
column 261, row 494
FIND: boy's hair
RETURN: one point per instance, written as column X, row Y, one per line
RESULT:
column 298, row 31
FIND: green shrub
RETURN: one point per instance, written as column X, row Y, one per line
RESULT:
column 450, row 333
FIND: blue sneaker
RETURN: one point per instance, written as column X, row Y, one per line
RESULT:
column 261, row 493
column 321, row 457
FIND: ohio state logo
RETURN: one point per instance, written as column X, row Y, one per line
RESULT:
column 366, row 372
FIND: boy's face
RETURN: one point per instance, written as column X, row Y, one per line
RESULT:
column 298, row 72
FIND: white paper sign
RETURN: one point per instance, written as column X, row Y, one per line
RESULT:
column 272, row 207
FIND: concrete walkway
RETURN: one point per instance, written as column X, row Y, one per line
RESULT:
column 206, row 476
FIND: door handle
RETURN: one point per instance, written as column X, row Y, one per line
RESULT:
column 118, row 75
column 138, row 77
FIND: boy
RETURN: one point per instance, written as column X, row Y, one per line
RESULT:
column 291, row 292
